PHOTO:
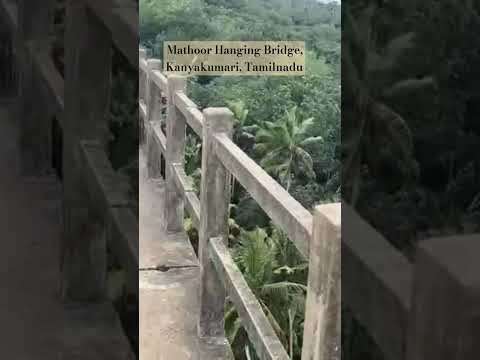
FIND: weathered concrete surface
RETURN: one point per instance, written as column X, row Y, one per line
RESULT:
column 87, row 98
column 214, row 203
column 322, row 329
column 260, row 332
column 445, row 320
column 169, row 301
column 377, row 283
column 286, row 212
column 35, row 324
column 168, row 317
column 157, row 248
column 175, row 132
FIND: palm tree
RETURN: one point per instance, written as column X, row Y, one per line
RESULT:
column 282, row 147
column 243, row 134
column 193, row 160
column 282, row 300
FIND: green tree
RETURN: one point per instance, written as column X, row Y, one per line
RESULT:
column 281, row 146
column 260, row 259
column 372, row 79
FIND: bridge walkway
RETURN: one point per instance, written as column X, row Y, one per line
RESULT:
column 169, row 278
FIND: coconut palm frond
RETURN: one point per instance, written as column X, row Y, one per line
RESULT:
column 282, row 145
column 283, row 288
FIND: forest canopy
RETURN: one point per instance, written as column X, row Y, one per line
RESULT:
column 313, row 174
column 289, row 125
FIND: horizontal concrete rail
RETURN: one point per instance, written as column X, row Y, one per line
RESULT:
column 52, row 80
column 192, row 204
column 189, row 109
column 286, row 212
column 121, row 19
column 260, row 332
column 143, row 66
column 160, row 80
column 184, row 183
column 142, row 107
column 104, row 184
column 159, row 138
column 377, row 283
column 186, row 189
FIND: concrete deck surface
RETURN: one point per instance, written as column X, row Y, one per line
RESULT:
column 169, row 278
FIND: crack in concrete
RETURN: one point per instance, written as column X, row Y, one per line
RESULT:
column 165, row 268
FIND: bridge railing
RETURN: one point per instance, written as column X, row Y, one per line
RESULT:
column 97, row 211
column 390, row 296
column 97, row 198
column 317, row 237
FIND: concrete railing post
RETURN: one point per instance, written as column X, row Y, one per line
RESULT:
column 153, row 98
column 176, row 132
column 34, row 25
column 321, row 339
column 87, row 100
column 445, row 315
column 142, row 53
column 215, row 201
column 152, row 91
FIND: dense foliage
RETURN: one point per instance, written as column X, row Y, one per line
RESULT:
column 265, row 99
column 410, row 125
column 411, row 85
column 289, row 125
